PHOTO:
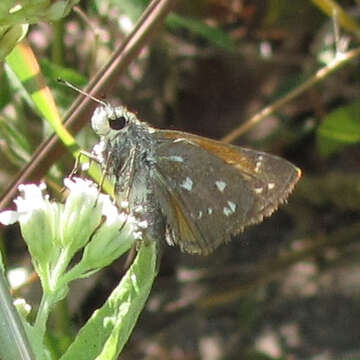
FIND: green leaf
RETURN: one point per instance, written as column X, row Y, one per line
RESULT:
column 210, row 33
column 339, row 128
column 24, row 64
column 107, row 331
column 53, row 72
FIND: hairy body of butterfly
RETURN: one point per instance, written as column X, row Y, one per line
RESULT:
column 195, row 192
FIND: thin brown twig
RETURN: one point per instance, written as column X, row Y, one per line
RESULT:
column 87, row 21
column 321, row 74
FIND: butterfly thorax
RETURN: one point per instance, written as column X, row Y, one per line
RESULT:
column 131, row 146
column 129, row 161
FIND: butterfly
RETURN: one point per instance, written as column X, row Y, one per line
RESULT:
column 194, row 192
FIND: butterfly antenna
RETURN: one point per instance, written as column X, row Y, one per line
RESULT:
column 70, row 85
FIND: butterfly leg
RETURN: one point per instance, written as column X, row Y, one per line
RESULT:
column 76, row 167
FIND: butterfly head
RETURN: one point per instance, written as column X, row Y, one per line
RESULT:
column 108, row 120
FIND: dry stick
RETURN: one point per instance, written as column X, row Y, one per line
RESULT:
column 80, row 111
column 339, row 60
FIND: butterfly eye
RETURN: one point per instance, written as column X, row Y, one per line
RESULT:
column 118, row 123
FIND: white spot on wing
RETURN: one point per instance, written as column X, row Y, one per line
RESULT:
column 210, row 211
column 232, row 206
column 200, row 214
column 271, row 186
column 176, row 158
column 259, row 190
column 229, row 210
column 258, row 163
column 221, row 185
column 187, row 184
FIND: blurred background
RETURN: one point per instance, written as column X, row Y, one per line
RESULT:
column 287, row 288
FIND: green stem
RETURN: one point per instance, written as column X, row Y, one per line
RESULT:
column 57, row 48
column 43, row 315
column 52, row 285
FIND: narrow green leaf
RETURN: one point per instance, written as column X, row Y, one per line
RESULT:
column 24, row 64
column 53, row 72
column 210, row 33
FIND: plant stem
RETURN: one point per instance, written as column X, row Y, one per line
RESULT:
column 42, row 315
column 51, row 289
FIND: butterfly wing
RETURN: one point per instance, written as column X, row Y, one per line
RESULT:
column 209, row 191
